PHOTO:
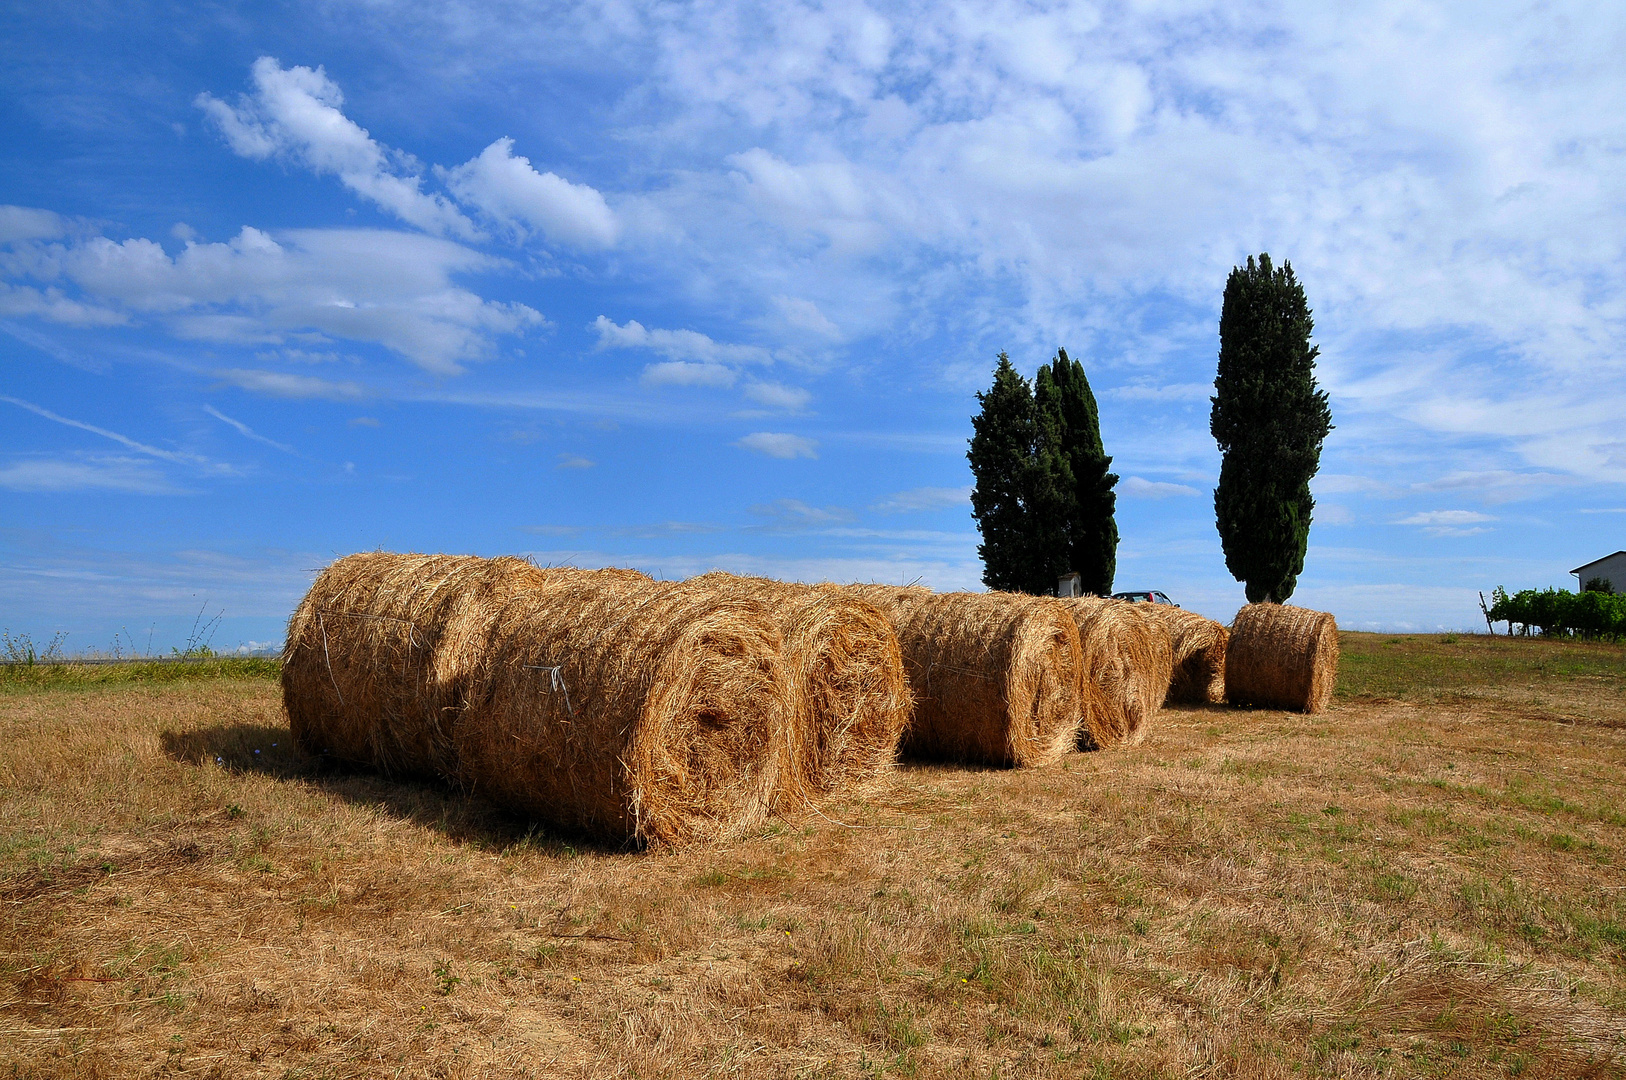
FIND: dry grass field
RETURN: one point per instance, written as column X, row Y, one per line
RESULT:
column 1427, row 880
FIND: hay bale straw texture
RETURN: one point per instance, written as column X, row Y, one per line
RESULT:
column 1198, row 643
column 850, row 696
column 994, row 675
column 380, row 652
column 642, row 714
column 1127, row 659
column 1281, row 657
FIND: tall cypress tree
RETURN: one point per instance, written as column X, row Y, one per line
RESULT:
column 1269, row 420
column 1001, row 456
column 1052, row 501
column 1091, row 533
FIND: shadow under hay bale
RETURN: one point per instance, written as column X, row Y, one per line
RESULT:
column 995, row 676
column 850, row 696
column 1199, row 654
column 643, row 715
column 1281, row 657
column 1127, row 659
column 380, row 652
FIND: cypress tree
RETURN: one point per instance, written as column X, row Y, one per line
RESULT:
column 1269, row 420
column 1091, row 532
column 1052, row 502
column 1001, row 457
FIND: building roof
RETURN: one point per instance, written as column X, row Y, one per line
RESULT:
column 1595, row 562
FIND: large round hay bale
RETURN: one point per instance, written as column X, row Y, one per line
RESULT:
column 850, row 696
column 1199, row 654
column 639, row 715
column 378, row 655
column 1281, row 657
column 994, row 675
column 1128, row 660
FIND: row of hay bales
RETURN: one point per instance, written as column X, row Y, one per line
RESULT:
column 605, row 701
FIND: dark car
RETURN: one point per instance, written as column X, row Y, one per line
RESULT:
column 1145, row 596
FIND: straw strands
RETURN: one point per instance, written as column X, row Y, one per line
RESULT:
column 1199, row 654
column 850, row 697
column 380, row 652
column 1281, row 657
column 640, row 714
column 994, row 675
column 1127, row 659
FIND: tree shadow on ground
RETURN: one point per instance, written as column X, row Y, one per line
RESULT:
column 460, row 816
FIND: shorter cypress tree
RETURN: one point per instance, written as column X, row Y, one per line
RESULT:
column 1001, row 457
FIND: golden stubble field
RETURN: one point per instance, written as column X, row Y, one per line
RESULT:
column 1427, row 880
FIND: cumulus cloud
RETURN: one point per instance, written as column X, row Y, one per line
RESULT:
column 296, row 113
column 26, row 223
column 53, row 305
column 392, row 288
column 779, row 445
column 507, row 189
column 924, row 498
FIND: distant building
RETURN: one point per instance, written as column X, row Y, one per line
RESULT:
column 1612, row 568
column 1073, row 585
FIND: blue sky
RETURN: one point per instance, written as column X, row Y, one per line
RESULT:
column 684, row 286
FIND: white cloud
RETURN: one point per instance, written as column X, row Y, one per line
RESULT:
column 925, row 498
column 688, row 373
column 391, row 288
column 1500, row 485
column 802, row 314
column 246, row 431
column 283, row 385
column 1169, row 392
column 779, row 445
column 1449, row 522
column 51, row 304
column 507, row 189
column 1140, row 488
column 689, row 345
column 776, row 396
column 19, row 223
column 574, row 461
column 46, row 475
column 1445, row 517
column 179, row 457
column 796, row 514
column 295, row 113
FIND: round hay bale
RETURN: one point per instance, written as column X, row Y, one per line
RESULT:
column 644, row 715
column 378, row 655
column 994, row 675
column 1128, row 659
column 1199, row 654
column 1281, row 657
column 850, row 696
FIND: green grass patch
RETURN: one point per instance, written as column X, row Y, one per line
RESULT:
column 1423, row 667
column 71, row 676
